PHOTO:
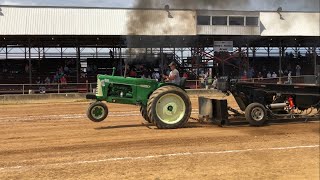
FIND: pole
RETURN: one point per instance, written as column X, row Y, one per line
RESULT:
column 315, row 60
column 77, row 63
column 162, row 61
column 316, row 69
column 30, row 68
column 6, row 52
column 280, row 59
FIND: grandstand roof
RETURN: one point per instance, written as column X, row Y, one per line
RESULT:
column 82, row 21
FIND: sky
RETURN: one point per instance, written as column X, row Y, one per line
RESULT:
column 287, row 5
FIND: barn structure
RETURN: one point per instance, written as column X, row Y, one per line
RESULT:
column 35, row 41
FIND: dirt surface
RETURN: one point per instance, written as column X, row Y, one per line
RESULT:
column 57, row 141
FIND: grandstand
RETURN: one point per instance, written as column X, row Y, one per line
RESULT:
column 36, row 42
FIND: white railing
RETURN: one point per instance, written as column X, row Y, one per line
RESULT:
column 47, row 88
column 90, row 87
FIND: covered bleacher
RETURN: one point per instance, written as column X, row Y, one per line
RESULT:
column 37, row 43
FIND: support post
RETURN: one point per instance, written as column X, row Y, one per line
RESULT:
column 77, row 63
column 61, row 52
column 162, row 61
column 280, row 62
column 121, row 61
column 30, row 65
column 6, row 51
column 314, row 51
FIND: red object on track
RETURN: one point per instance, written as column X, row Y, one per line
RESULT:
column 291, row 103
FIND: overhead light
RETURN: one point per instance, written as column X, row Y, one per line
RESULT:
column 98, row 39
column 4, row 38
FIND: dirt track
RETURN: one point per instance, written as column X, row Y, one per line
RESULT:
column 57, row 141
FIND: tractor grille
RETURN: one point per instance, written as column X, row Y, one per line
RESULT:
column 99, row 92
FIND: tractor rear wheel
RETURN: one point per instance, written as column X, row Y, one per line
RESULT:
column 97, row 111
column 144, row 113
column 169, row 107
column 256, row 114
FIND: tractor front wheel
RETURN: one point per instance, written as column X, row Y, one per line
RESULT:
column 97, row 111
column 169, row 107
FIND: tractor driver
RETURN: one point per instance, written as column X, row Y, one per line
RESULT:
column 174, row 76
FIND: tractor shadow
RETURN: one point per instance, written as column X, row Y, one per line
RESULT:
column 152, row 126
column 149, row 126
column 232, row 123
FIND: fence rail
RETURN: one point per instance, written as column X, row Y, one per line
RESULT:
column 89, row 87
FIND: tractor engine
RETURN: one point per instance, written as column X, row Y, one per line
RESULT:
column 119, row 90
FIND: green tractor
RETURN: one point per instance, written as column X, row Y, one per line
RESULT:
column 165, row 105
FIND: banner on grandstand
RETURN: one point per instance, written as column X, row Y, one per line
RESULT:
column 223, row 46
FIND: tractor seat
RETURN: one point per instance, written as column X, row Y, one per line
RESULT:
column 183, row 81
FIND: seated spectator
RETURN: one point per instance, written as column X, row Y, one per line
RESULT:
column 260, row 76
column 298, row 70
column 244, row 76
column 133, row 73
column 269, row 75
column 156, row 75
column 38, row 80
column 274, row 75
column 63, row 80
column 47, row 80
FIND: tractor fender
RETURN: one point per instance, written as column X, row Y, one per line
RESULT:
column 170, row 84
column 166, row 84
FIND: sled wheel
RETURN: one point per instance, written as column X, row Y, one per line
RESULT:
column 256, row 114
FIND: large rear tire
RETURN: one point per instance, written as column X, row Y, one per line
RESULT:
column 144, row 113
column 97, row 111
column 256, row 114
column 169, row 107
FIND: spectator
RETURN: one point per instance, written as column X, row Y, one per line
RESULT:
column 298, row 70
column 66, row 69
column 47, row 80
column 89, row 69
column 251, row 73
column 214, row 83
column 260, row 76
column 26, row 68
column 156, row 75
column 133, row 73
column 60, row 70
column 269, row 75
column 244, row 76
column 185, row 75
column 63, row 80
column 274, row 75
column 38, row 80
column 111, row 54
column 289, row 78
